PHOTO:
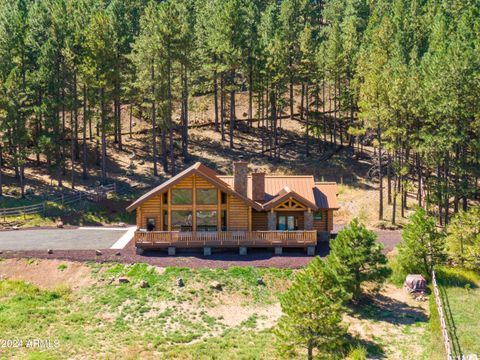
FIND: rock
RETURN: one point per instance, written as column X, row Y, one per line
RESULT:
column 121, row 224
column 260, row 281
column 14, row 227
column 134, row 123
column 98, row 252
column 28, row 191
column 216, row 285
column 141, row 162
column 180, row 282
column 49, row 251
column 60, row 224
column 118, row 253
column 143, row 284
column 130, row 172
column 123, row 280
column 1, row 252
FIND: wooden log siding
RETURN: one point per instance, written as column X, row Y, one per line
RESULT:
column 237, row 214
column 322, row 225
column 162, row 239
column 259, row 220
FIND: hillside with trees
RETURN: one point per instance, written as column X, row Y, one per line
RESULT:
column 81, row 81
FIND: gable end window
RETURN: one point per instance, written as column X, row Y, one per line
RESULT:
column 182, row 196
column 207, row 196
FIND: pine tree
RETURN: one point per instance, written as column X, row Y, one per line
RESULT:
column 357, row 257
column 422, row 246
column 312, row 313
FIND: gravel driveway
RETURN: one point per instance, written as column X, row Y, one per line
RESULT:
column 60, row 239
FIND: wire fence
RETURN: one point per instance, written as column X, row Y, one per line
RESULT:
column 94, row 195
column 441, row 315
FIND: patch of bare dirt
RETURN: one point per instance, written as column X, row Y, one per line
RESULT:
column 233, row 315
column 47, row 274
column 393, row 320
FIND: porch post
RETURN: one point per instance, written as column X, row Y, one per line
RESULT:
column 308, row 219
column 272, row 220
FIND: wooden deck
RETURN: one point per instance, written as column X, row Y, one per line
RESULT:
column 224, row 239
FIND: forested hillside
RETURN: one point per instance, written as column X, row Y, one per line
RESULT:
column 78, row 76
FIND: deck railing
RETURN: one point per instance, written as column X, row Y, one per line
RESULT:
column 225, row 238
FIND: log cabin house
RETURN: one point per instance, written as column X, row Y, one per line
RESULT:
column 199, row 208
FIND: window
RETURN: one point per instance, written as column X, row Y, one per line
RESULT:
column 224, row 198
column 165, row 198
column 182, row 196
column 181, row 220
column 165, row 220
column 206, row 220
column 224, row 220
column 287, row 223
column 150, row 224
column 206, row 196
column 317, row 215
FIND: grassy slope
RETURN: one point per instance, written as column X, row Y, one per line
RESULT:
column 128, row 321
column 192, row 322
column 460, row 291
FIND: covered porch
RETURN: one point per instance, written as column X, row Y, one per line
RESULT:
column 224, row 239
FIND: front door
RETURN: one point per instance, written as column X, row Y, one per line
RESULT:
column 286, row 222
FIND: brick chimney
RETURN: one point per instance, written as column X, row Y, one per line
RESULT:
column 240, row 177
column 258, row 186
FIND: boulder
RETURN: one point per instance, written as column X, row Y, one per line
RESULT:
column 118, row 253
column 98, row 252
column 49, row 251
column 143, row 284
column 123, row 280
column 60, row 224
column 260, row 281
column 180, row 282
column 14, row 227
column 216, row 285
column 121, row 224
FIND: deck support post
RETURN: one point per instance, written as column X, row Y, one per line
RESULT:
column 278, row 250
column 207, row 251
column 242, row 250
column 139, row 251
column 171, row 250
column 310, row 250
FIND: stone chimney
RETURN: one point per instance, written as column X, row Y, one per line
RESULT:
column 240, row 177
column 258, row 186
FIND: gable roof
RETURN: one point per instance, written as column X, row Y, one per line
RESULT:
column 278, row 188
column 285, row 194
column 196, row 169
column 274, row 184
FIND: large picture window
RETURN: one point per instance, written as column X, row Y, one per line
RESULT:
column 206, row 220
column 207, row 197
column 181, row 220
column 182, row 196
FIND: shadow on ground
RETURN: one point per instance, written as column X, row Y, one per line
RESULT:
column 383, row 308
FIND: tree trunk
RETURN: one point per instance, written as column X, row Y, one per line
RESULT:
column 307, row 124
column 302, row 101
column 232, row 108
column 84, row 162
column 104, row 136
column 222, row 107
column 154, row 123
column 291, row 98
column 215, row 98
column 250, row 96
column 380, row 175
